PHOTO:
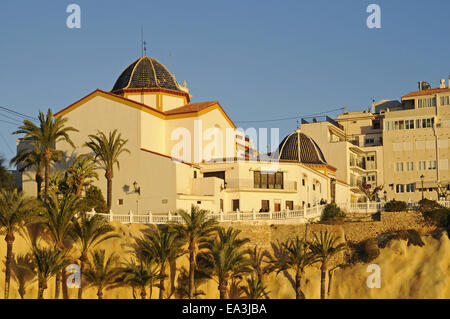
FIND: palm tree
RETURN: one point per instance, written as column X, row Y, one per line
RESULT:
column 324, row 247
column 6, row 178
column 164, row 246
column 59, row 214
column 294, row 254
column 224, row 258
column 50, row 131
column 23, row 272
column 197, row 227
column 255, row 288
column 182, row 289
column 88, row 232
column 107, row 151
column 140, row 275
column 102, row 272
column 15, row 211
column 81, row 173
column 33, row 157
column 47, row 262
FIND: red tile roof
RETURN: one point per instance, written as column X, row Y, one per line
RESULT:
column 427, row 92
column 192, row 107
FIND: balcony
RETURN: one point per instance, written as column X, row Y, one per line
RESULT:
column 248, row 184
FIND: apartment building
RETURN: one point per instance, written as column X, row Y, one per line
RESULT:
column 416, row 145
column 343, row 145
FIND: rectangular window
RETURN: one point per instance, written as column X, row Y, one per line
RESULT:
column 290, row 205
column 431, row 165
column 410, row 188
column 268, row 180
column 422, row 165
column 399, row 166
column 279, row 180
column 400, row 188
column 235, row 205
column 257, row 179
column 264, row 205
column 409, row 166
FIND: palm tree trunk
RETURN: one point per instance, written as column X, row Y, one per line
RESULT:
column 47, row 156
column 191, row 271
column 57, row 285
column 42, row 286
column 298, row 284
column 162, row 274
column 100, row 292
column 143, row 293
column 108, row 176
column 330, row 277
column 9, row 238
column 151, row 290
column 323, row 272
column 79, row 189
column 222, row 290
column 80, row 290
column 64, row 284
column 39, row 180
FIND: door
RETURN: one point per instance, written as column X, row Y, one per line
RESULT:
column 235, row 205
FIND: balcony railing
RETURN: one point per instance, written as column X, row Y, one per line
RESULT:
column 250, row 184
column 305, row 214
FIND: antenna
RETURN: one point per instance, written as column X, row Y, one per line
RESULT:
column 142, row 41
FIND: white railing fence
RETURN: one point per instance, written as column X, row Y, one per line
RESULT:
column 306, row 214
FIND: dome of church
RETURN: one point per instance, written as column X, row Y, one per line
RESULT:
column 147, row 73
column 301, row 148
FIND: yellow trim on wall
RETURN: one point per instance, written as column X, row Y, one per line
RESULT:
column 144, row 108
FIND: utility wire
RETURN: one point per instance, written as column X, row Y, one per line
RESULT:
column 6, row 143
column 11, row 118
column 18, row 113
column 15, row 124
column 292, row 118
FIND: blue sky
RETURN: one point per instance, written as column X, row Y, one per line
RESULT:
column 260, row 59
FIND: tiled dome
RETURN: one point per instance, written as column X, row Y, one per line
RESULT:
column 300, row 148
column 146, row 73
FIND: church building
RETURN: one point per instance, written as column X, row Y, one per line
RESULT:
column 185, row 153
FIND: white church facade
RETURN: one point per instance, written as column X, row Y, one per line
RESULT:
column 184, row 153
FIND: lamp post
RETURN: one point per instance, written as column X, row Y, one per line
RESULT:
column 137, row 189
column 385, row 196
column 421, row 178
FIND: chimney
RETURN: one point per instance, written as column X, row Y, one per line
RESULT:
column 420, row 85
column 448, row 82
column 442, row 86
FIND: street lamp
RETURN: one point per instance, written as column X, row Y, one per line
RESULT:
column 385, row 196
column 421, row 178
column 137, row 190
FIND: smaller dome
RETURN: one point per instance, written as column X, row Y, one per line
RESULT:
column 147, row 73
column 301, row 148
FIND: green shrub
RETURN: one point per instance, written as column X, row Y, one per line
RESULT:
column 426, row 205
column 370, row 250
column 364, row 251
column 412, row 236
column 332, row 212
column 439, row 217
column 395, row 206
column 94, row 199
